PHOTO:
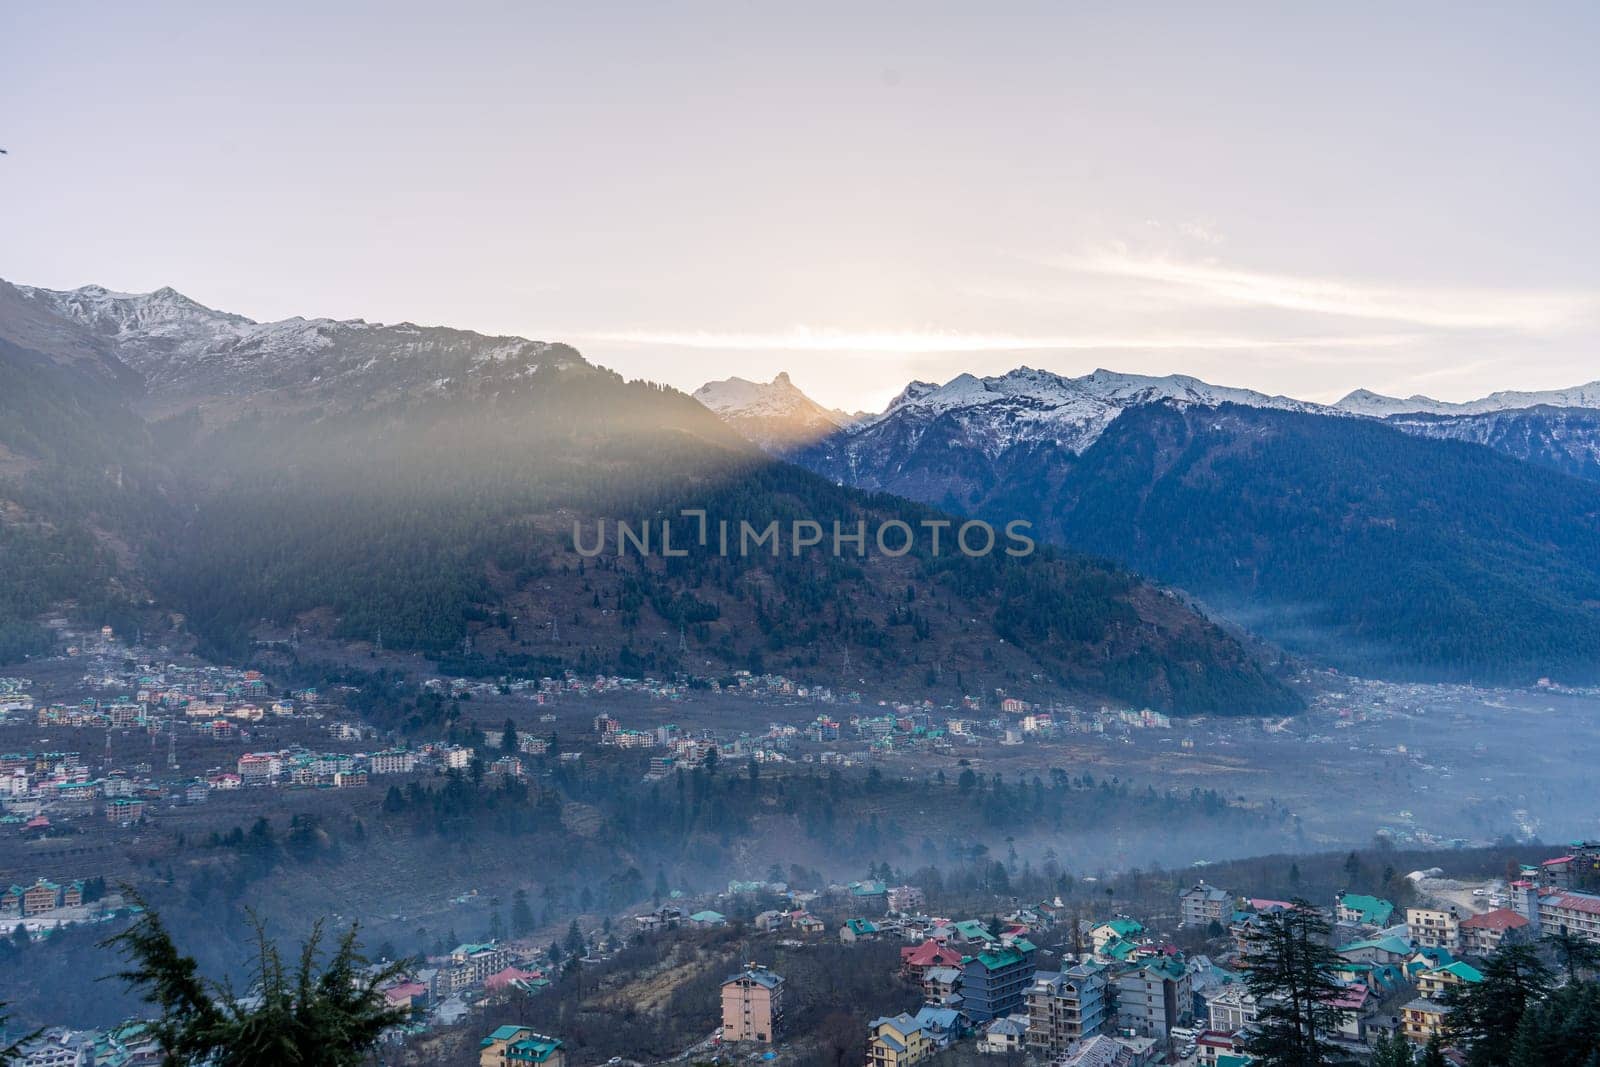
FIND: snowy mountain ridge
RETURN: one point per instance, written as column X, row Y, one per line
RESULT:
column 1366, row 402
column 1030, row 405
column 180, row 348
column 776, row 415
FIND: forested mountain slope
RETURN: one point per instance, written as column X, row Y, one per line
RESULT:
column 1346, row 538
column 422, row 491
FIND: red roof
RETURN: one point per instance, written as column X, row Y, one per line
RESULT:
column 1215, row 1039
column 404, row 991
column 1573, row 902
column 1552, row 862
column 930, row 954
column 1498, row 919
column 1264, row 904
column 1353, row 998
column 506, row 977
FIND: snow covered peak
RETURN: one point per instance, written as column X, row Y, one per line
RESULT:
column 740, row 396
column 1029, row 404
column 913, row 391
column 164, row 311
column 1365, row 402
column 775, row 415
column 180, row 348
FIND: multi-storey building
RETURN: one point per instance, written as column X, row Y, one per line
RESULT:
column 752, row 1005
column 1573, row 913
column 124, row 812
column 1421, row 1018
column 906, row 898
column 1231, row 1009
column 1432, row 983
column 258, row 768
column 1064, row 1007
column 902, row 1040
column 995, row 981
column 42, row 895
column 1202, row 904
column 392, row 761
column 1435, row 927
column 519, row 1046
column 1482, row 934
column 470, row 964
column 1154, row 997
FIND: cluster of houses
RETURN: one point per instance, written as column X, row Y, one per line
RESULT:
column 1124, row 998
column 130, row 1044
column 21, row 902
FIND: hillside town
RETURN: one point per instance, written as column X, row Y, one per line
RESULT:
column 1036, row 981
column 1045, row 980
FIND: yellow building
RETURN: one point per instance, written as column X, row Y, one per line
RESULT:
column 1431, row 984
column 519, row 1046
column 898, row 1041
column 1421, row 1018
column 1434, row 927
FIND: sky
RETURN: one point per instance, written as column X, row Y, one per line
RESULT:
column 1302, row 199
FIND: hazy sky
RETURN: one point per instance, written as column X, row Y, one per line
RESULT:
column 1299, row 198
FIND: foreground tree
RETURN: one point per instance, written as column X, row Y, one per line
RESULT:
column 317, row 1015
column 12, row 1053
column 1484, row 1016
column 1577, row 955
column 1291, row 976
column 1563, row 1030
column 1393, row 1050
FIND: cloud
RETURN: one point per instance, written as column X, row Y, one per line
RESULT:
column 912, row 342
column 1201, row 230
column 1449, row 309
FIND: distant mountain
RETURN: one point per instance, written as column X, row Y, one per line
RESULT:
column 184, row 353
column 1034, row 405
column 1336, row 535
column 1364, row 402
column 199, row 474
column 949, row 444
column 1566, row 439
column 987, row 416
column 775, row 415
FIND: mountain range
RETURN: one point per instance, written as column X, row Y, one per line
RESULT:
column 244, row 480
column 1549, row 427
column 1452, row 543
column 264, row 489
column 775, row 415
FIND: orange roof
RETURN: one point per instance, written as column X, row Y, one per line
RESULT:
column 1498, row 919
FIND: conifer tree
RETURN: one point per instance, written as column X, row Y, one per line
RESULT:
column 1291, row 976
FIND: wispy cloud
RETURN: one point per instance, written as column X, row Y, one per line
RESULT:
column 1436, row 308
column 912, row 342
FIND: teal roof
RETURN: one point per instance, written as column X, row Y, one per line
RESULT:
column 534, row 1049
column 1374, row 910
column 1398, row 946
column 1123, row 927
column 1464, row 971
column 1167, row 967
column 994, row 959
column 1119, row 949
column 502, row 1033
